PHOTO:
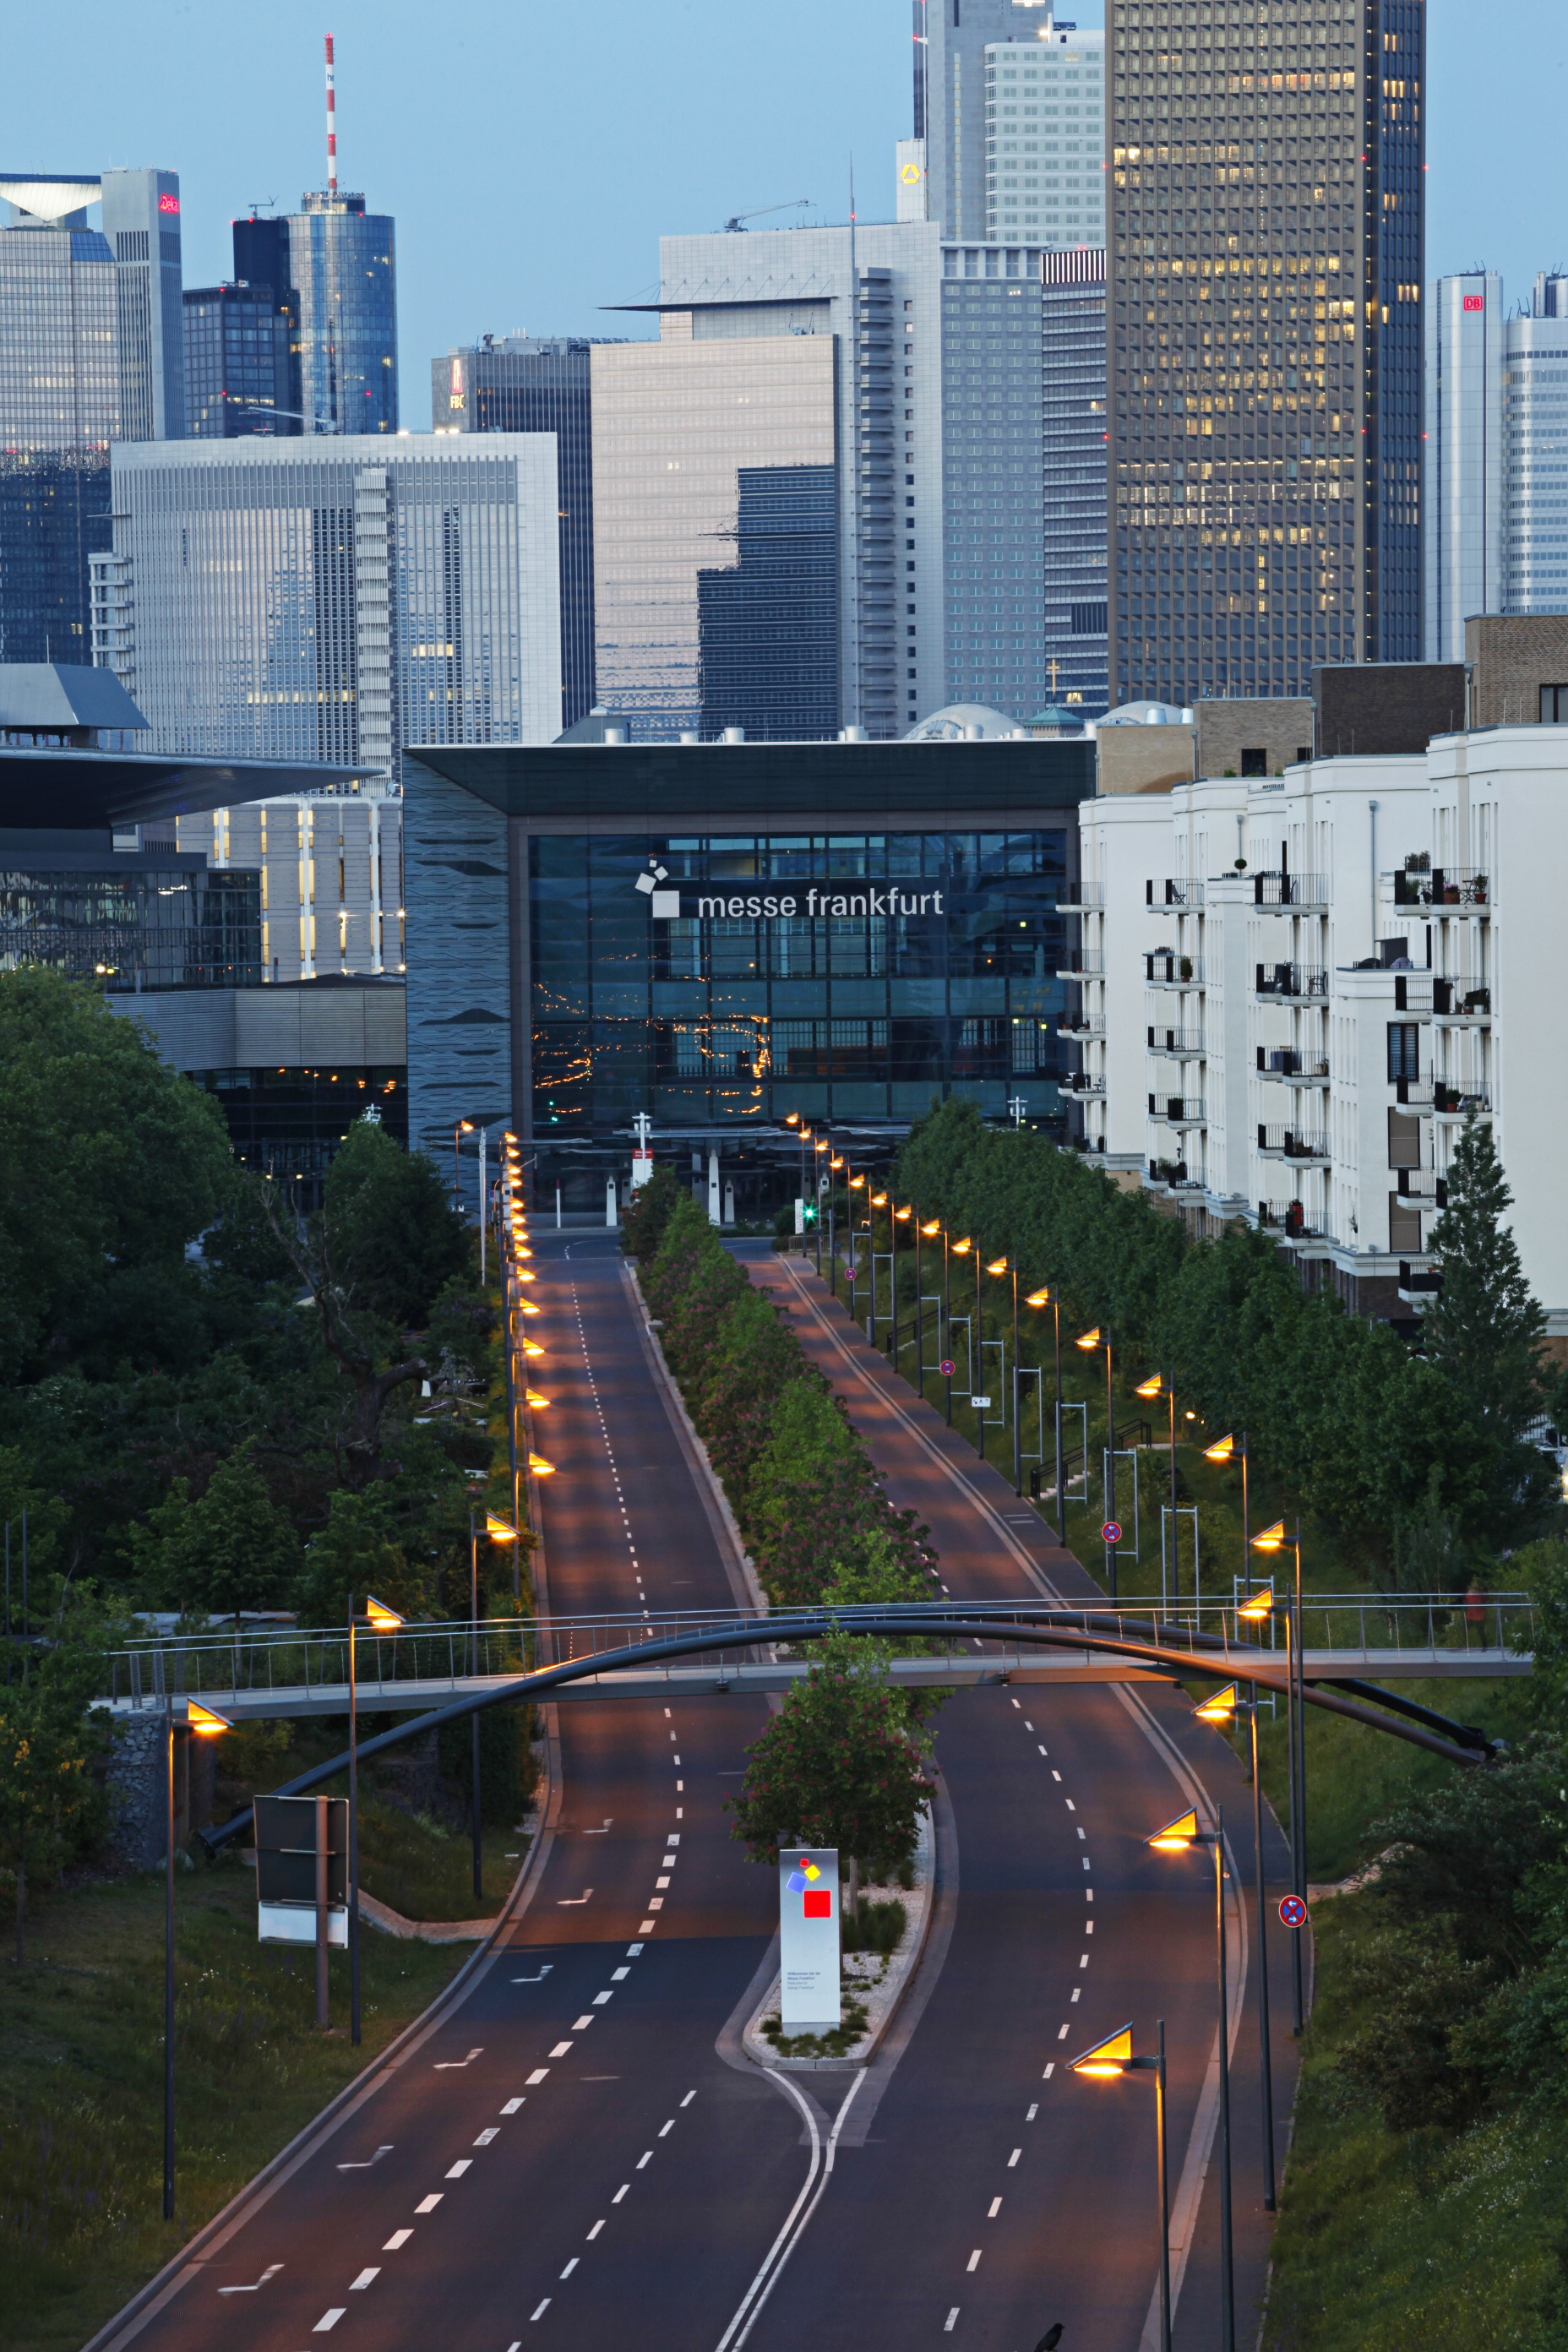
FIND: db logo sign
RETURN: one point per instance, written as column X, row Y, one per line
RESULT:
column 1474, row 301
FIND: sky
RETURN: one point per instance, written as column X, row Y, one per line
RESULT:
column 532, row 156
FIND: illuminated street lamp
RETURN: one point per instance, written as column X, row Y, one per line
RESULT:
column 1220, row 1708
column 1181, row 1836
column 381, row 1619
column 976, row 1354
column 1047, row 1296
column 498, row 1531
column 936, row 1227
column 999, row 1266
column 1257, row 1607
column 464, row 1127
column 202, row 1723
column 1107, row 2061
column 1151, row 1389
column 1088, row 1341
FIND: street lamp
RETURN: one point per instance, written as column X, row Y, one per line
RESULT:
column 1226, row 1449
column 976, row 1359
column 852, row 1185
column 381, row 1619
column 1151, row 1389
column 1108, row 2060
column 1181, row 1836
column 1273, row 1539
column 464, row 1127
column 1047, row 1296
column 1220, row 1708
column 1088, row 1341
column 204, row 1723
column 899, row 1217
column 936, row 1227
column 822, row 1145
column 834, row 1159
column 1001, row 1265
column 498, row 1531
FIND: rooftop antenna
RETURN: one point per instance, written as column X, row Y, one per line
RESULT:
column 331, row 123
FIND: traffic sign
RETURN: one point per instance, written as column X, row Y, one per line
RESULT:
column 1292, row 1911
column 981, row 1404
column 947, row 1368
column 1110, row 1532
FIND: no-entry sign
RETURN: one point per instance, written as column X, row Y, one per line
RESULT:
column 1110, row 1532
column 1292, row 1911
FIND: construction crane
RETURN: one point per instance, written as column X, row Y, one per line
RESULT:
column 741, row 219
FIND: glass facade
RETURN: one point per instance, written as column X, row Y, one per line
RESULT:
column 131, row 921
column 1074, row 468
column 1045, row 139
column 1264, row 378
column 851, row 977
column 237, row 364
column 520, row 384
column 333, row 267
column 992, row 460
column 714, row 468
column 291, row 1123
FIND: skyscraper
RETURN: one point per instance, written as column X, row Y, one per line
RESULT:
column 1266, row 264
column 85, row 358
column 237, row 364
column 1073, row 470
column 332, row 267
column 1008, row 105
column 533, row 384
column 346, row 600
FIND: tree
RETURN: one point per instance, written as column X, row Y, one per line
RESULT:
column 1485, row 1328
column 362, row 1550
column 647, row 1213
column 388, row 1223
column 231, row 1551
column 50, row 1804
column 837, row 1765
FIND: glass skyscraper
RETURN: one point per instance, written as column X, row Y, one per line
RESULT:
column 528, row 383
column 332, row 268
column 237, row 364
column 1266, row 259
column 1073, row 307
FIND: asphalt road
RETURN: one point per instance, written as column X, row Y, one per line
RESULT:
column 570, row 2156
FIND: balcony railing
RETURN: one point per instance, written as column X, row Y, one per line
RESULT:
column 1080, row 1028
column 1177, row 1044
column 1178, row 1110
column 1457, row 1102
column 1290, row 893
column 1080, row 1083
column 1289, row 1143
column 1457, row 886
column 1455, row 998
column 1181, row 893
column 1082, row 898
column 1288, row 1062
column 1419, row 1282
column 1415, row 1092
column 1166, row 969
column 1290, row 1218
column 1080, row 964
column 1293, row 983
column 1168, row 1172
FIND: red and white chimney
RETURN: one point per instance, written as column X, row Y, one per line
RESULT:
column 331, row 123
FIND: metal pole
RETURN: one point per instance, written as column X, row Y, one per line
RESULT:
column 920, row 1318
column 1176, row 1545
column 1227, row 2280
column 1295, row 1811
column 169, row 1969
column 979, row 1361
column 1263, row 1973
column 947, row 1317
column 484, row 1206
column 1245, row 1525
column 1017, row 1456
column 323, row 1834
column 1061, row 1466
column 474, row 1607
column 1164, row 2196
column 1301, row 1841
column 353, row 1834
column 1110, row 1417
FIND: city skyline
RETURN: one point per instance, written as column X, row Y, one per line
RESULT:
column 841, row 89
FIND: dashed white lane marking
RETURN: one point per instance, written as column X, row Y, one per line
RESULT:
column 537, row 2077
column 582, row 2022
column 1013, row 2159
column 594, row 2231
column 485, row 2137
column 973, row 2262
column 541, row 2310
column 570, row 2266
column 665, row 2129
column 1063, row 2034
column 1046, row 2077
column 398, row 2238
column 601, row 1997
column 688, row 2099
column 329, row 2320
column 616, row 1974
column 1055, row 1774
column 952, row 2320
column 1033, row 2111
column 456, row 2171
column 511, row 2107
column 1075, row 1991
column 1083, row 1962
column 644, row 2159
column 364, row 2280
column 620, row 2192
column 994, row 2208
column 429, row 2203
column 561, row 2049
column 1080, row 1832
column 1070, row 1806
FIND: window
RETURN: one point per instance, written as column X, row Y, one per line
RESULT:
column 1403, row 1139
column 1404, row 1224
column 1255, row 763
column 1554, row 706
column 1402, row 1038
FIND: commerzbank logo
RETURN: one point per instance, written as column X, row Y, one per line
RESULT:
column 833, row 901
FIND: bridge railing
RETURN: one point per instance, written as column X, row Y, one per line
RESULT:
column 200, row 1661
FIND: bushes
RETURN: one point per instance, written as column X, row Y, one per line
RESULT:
column 800, row 1481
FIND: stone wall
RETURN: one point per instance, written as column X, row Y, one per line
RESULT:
column 137, row 1782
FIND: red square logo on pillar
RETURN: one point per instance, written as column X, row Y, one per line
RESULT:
column 817, row 1903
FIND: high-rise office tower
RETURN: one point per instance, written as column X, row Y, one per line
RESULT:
column 1009, row 107
column 1266, row 264
column 345, row 602
column 1464, row 498
column 539, row 383
column 1073, row 470
column 85, row 359
column 1496, row 451
column 237, row 364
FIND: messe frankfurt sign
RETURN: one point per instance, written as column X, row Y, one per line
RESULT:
column 751, row 906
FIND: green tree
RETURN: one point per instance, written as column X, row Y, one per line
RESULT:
column 837, row 1765
column 364, row 1549
column 232, row 1550
column 647, row 1213
column 389, row 1229
column 51, row 1806
column 1484, row 1328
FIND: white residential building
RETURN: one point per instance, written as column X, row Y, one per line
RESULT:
column 331, row 877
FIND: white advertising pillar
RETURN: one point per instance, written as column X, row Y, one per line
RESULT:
column 712, row 1188
column 609, row 1200
column 809, row 1996
column 729, row 1204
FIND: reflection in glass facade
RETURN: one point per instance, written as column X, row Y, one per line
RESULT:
column 237, row 364
column 939, row 977
column 131, row 921
column 713, row 508
column 334, row 271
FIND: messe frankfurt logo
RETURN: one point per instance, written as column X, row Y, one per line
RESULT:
column 849, row 905
column 665, row 903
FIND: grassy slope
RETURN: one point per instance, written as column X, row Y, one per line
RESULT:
column 81, row 2102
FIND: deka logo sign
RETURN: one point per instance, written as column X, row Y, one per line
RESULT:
column 754, row 906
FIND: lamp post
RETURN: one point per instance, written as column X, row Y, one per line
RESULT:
column 498, row 1531
column 382, row 1620
column 1151, row 1389
column 834, row 1159
column 202, row 1723
column 1220, row 1710
column 903, row 1216
column 1001, row 1265
column 817, row 1147
column 1047, row 1296
column 1227, row 1449
column 976, row 1359
column 1088, row 1341
column 1272, row 1539
column 1181, row 1836
column 852, row 1185
column 1108, row 2060
column 464, row 1127
column 935, row 1227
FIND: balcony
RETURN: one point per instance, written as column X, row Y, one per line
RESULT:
column 1182, row 894
column 1453, row 1106
column 1177, row 1044
column 1178, row 1110
column 1166, row 969
column 1418, row 1285
column 1422, row 1185
column 1083, row 898
column 1293, row 1068
column 1292, row 984
column 1164, row 1175
column 1291, row 1220
column 1416, row 1094
column 1082, row 965
column 1460, row 1003
column 1291, row 894
column 1289, row 1143
column 1079, row 1084
column 1083, row 1028
column 1457, row 889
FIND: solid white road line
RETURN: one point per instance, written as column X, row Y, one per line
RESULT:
column 796, row 2221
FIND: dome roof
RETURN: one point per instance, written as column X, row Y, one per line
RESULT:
column 1148, row 714
column 953, row 725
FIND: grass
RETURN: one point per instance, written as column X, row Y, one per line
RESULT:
column 835, row 2044
column 82, row 2104
column 1390, row 2240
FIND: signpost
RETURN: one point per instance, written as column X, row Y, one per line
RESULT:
column 809, row 1996
column 302, row 1877
column 1292, row 1911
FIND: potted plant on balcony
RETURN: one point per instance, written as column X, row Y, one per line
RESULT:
column 1186, row 967
column 1478, row 890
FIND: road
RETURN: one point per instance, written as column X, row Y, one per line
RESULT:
column 569, row 2155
